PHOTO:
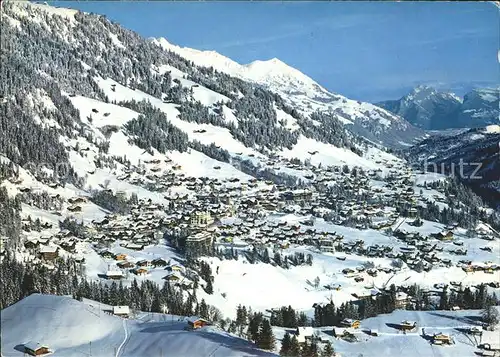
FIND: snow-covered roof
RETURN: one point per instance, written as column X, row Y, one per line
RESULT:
column 400, row 295
column 118, row 310
column 33, row 346
column 193, row 319
column 305, row 330
column 49, row 249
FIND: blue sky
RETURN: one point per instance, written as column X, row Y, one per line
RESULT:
column 365, row 50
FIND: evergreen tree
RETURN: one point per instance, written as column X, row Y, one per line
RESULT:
column 266, row 339
column 254, row 325
column 294, row 347
column 490, row 315
column 286, row 345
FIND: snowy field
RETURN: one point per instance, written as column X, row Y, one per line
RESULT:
column 73, row 329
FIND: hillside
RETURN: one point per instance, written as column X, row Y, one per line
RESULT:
column 430, row 109
column 477, row 149
column 72, row 328
column 306, row 96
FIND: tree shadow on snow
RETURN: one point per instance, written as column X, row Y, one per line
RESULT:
column 246, row 348
column 394, row 326
column 472, row 320
column 155, row 327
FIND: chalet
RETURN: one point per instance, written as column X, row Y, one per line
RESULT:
column 304, row 333
column 474, row 330
column 442, row 339
column 407, row 325
column 123, row 311
column 175, row 267
column 35, row 349
column 49, row 252
column 125, row 264
column 350, row 323
column 77, row 200
column 31, row 244
column 120, row 256
column 402, row 300
column 143, row 263
column 158, row 262
column 134, row 246
column 114, row 274
column 195, row 322
column 444, row 235
column 68, row 245
column 75, row 208
column 140, row 271
column 340, row 332
column 173, row 277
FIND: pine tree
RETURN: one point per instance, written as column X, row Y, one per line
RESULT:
column 490, row 315
column 209, row 289
column 294, row 347
column 265, row 339
column 286, row 345
column 253, row 326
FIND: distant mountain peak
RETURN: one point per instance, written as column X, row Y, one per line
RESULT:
column 429, row 108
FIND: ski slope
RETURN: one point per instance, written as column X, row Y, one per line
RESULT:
column 71, row 329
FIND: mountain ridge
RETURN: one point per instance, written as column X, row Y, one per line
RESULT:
column 305, row 94
column 430, row 109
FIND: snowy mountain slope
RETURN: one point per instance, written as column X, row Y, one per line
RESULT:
column 477, row 149
column 306, row 95
column 480, row 107
column 97, row 85
column 72, row 328
column 125, row 116
column 429, row 109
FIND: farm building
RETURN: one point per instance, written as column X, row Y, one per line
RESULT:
column 35, row 348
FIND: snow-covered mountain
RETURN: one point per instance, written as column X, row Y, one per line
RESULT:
column 472, row 156
column 480, row 107
column 428, row 108
column 108, row 133
column 306, row 95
